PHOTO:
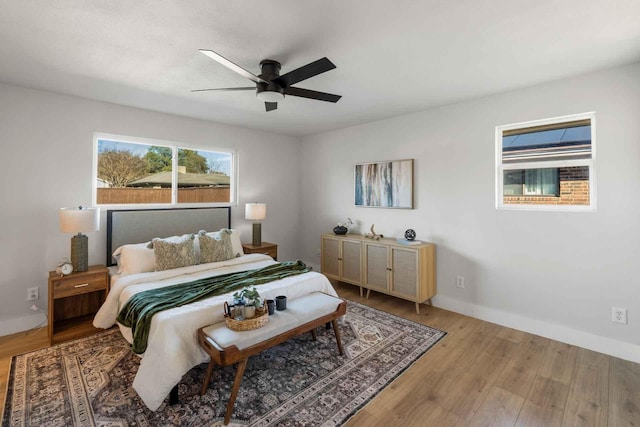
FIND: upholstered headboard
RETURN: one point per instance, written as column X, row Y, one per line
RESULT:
column 141, row 225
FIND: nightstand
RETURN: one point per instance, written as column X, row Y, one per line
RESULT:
column 266, row 248
column 73, row 302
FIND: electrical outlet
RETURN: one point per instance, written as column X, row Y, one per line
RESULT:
column 619, row 315
column 460, row 282
column 32, row 294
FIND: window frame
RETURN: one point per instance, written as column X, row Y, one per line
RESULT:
column 233, row 188
column 533, row 164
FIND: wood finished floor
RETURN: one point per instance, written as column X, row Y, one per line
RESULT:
column 480, row 374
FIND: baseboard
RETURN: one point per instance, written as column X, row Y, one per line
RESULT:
column 22, row 323
column 621, row 349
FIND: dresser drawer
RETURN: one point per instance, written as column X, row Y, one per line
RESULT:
column 68, row 286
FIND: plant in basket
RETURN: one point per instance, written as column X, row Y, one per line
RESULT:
column 250, row 298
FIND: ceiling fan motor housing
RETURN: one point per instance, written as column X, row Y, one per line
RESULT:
column 270, row 71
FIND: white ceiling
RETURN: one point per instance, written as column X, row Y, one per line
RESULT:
column 392, row 57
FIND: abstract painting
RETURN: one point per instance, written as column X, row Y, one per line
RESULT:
column 386, row 184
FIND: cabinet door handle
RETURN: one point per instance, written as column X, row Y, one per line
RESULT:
column 81, row 286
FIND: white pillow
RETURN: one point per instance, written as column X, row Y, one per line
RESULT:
column 236, row 244
column 134, row 259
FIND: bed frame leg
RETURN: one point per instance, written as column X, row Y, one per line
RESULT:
column 174, row 398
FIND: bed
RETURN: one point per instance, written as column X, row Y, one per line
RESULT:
column 172, row 348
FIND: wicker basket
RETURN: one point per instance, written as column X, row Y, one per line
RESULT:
column 258, row 321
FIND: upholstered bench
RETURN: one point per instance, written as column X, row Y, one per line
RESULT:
column 227, row 347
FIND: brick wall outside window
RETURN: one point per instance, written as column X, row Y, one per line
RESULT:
column 574, row 190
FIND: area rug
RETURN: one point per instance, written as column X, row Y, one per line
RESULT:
column 299, row 383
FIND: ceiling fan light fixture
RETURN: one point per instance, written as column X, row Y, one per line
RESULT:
column 270, row 96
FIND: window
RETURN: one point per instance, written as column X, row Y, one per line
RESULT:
column 134, row 171
column 546, row 164
column 531, row 182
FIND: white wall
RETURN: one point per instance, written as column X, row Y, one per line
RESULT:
column 556, row 274
column 46, row 164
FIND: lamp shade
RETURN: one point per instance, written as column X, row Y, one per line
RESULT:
column 255, row 211
column 79, row 220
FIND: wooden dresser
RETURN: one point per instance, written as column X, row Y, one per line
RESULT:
column 403, row 271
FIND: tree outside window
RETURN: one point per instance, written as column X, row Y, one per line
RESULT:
column 133, row 172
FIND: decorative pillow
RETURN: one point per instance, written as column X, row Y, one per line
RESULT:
column 215, row 248
column 172, row 239
column 236, row 244
column 179, row 239
column 174, row 254
column 134, row 259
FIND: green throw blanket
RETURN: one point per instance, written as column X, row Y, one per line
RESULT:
column 138, row 311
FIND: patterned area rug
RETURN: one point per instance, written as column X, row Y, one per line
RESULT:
column 298, row 383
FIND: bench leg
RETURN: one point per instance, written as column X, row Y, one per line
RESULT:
column 234, row 391
column 207, row 378
column 337, row 332
column 314, row 336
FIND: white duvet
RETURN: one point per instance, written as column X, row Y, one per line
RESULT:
column 172, row 348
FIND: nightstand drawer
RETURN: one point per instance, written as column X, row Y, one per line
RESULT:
column 68, row 286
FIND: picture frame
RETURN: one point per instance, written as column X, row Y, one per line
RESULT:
column 384, row 184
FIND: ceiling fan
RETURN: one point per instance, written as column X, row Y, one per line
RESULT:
column 271, row 87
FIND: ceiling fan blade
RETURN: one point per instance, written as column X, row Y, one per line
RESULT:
column 270, row 106
column 225, row 88
column 312, row 94
column 306, row 71
column 230, row 65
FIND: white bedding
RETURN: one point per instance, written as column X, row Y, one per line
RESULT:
column 172, row 348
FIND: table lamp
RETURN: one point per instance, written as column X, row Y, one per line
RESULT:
column 256, row 212
column 79, row 220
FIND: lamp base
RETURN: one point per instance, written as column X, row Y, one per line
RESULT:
column 257, row 234
column 80, row 252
